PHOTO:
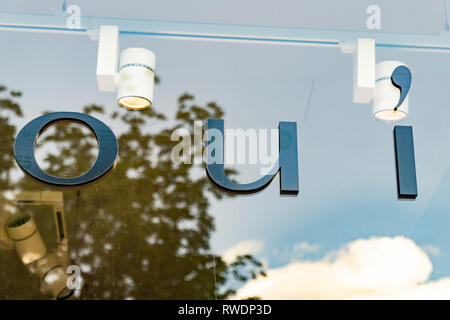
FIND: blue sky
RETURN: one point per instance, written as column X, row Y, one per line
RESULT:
column 347, row 169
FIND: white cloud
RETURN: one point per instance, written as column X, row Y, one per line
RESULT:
column 302, row 248
column 306, row 247
column 385, row 268
column 242, row 248
column 431, row 249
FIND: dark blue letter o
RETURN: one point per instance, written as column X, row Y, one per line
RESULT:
column 27, row 137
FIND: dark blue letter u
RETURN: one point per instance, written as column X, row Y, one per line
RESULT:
column 287, row 162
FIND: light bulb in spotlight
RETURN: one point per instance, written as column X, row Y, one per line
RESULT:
column 136, row 79
column 390, row 115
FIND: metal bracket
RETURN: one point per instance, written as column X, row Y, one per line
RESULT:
column 363, row 68
column 107, row 59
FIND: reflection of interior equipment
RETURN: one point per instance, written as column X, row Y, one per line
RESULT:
column 24, row 234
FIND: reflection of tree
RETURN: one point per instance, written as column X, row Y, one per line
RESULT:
column 15, row 280
column 143, row 230
column 7, row 134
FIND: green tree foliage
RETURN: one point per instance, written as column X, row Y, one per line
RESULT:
column 8, row 108
column 143, row 230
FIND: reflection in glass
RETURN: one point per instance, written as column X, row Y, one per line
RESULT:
column 26, row 237
column 142, row 231
column 24, row 233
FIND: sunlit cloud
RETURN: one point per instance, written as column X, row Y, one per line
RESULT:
column 432, row 249
column 374, row 268
column 242, row 248
column 300, row 249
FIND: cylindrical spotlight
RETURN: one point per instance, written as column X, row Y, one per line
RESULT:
column 24, row 233
column 5, row 241
column 387, row 95
column 53, row 276
column 56, row 281
column 136, row 79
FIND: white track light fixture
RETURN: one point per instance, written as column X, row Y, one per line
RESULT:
column 386, row 84
column 136, row 78
column 390, row 102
